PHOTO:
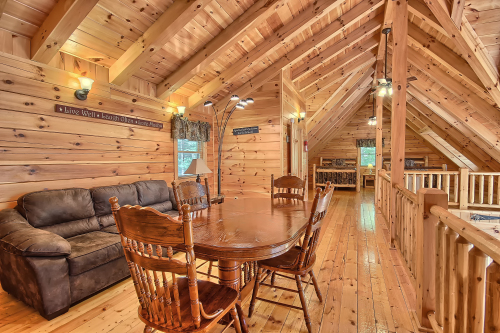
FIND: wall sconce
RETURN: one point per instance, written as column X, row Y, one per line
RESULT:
column 181, row 110
column 302, row 115
column 86, row 84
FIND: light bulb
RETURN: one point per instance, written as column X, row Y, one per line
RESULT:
column 244, row 102
column 382, row 91
column 181, row 110
column 240, row 106
column 86, row 83
column 235, row 98
column 390, row 91
column 250, row 100
column 208, row 103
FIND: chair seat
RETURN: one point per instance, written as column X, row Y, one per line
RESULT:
column 213, row 297
column 91, row 250
column 287, row 262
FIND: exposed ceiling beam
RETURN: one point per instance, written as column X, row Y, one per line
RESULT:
column 349, row 86
column 156, row 36
column 245, row 23
column 471, row 47
column 2, row 6
column 329, row 53
column 339, row 124
column 443, row 55
column 420, row 10
column 352, row 67
column 460, row 91
column 328, row 33
column 281, row 37
column 387, row 24
column 361, row 51
column 62, row 21
column 322, row 127
column 457, row 10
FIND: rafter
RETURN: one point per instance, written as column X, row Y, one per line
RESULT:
column 361, row 51
column 328, row 33
column 155, row 37
column 349, row 86
column 282, row 36
column 62, row 21
column 247, row 21
column 2, row 6
column 420, row 10
column 387, row 24
column 357, row 35
column 435, row 73
column 352, row 67
column 443, row 55
column 457, row 11
column 471, row 47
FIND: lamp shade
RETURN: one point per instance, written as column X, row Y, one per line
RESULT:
column 370, row 166
column 197, row 167
column 86, row 82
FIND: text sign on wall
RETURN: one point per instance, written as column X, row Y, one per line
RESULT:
column 246, row 130
column 106, row 116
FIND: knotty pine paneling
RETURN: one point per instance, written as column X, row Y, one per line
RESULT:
column 249, row 160
column 343, row 145
column 41, row 149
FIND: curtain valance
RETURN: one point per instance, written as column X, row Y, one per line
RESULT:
column 182, row 128
column 368, row 142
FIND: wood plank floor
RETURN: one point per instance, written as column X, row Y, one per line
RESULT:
column 364, row 286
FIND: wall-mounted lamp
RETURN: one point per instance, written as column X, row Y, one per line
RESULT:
column 86, row 84
column 181, row 110
column 302, row 115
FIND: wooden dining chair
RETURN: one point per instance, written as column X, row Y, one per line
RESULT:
column 299, row 260
column 288, row 187
column 198, row 197
column 183, row 304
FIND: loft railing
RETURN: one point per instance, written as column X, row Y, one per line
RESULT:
column 453, row 265
column 448, row 181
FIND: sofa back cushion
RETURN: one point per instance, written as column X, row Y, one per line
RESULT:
column 152, row 192
column 67, row 212
column 126, row 194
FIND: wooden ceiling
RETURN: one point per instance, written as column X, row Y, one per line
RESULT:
column 211, row 49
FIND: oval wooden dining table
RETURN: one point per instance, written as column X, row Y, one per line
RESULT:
column 248, row 229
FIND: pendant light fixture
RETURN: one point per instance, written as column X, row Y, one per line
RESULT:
column 385, row 84
column 372, row 121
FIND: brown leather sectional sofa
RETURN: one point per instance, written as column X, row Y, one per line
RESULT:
column 58, row 247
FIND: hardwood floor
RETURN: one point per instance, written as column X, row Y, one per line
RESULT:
column 363, row 282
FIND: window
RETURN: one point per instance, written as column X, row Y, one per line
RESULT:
column 367, row 156
column 186, row 152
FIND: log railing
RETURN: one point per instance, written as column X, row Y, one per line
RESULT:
column 453, row 265
column 484, row 189
column 448, row 181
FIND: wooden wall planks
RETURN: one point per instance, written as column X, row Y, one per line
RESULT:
column 41, row 149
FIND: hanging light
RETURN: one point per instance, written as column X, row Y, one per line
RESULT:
column 244, row 102
column 382, row 92
column 235, row 98
column 390, row 91
column 208, row 103
column 373, row 120
column 250, row 100
column 240, row 106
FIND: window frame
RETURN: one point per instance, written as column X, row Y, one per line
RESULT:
column 361, row 156
column 201, row 150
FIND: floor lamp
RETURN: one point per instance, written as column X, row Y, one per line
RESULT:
column 221, row 127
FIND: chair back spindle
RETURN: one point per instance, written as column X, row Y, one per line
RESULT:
column 147, row 237
column 192, row 193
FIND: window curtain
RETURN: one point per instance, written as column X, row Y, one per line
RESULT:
column 182, row 128
column 368, row 143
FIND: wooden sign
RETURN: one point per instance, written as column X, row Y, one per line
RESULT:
column 106, row 116
column 246, row 130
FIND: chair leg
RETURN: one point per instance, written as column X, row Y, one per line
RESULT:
column 318, row 292
column 254, row 294
column 148, row 329
column 210, row 263
column 304, row 303
column 237, row 324
column 273, row 277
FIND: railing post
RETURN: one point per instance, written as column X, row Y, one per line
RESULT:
column 425, row 256
column 464, row 188
column 314, row 177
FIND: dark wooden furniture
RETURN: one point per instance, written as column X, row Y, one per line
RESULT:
column 198, row 197
column 299, row 260
column 181, row 304
column 288, row 187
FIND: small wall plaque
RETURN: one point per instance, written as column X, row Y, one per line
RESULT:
column 246, row 130
column 106, row 116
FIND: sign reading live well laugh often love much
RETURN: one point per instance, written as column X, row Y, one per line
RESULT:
column 106, row 116
column 246, row 130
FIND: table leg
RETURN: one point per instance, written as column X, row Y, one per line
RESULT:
column 229, row 275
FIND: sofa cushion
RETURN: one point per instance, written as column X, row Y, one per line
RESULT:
column 126, row 194
column 67, row 212
column 163, row 207
column 93, row 249
column 152, row 191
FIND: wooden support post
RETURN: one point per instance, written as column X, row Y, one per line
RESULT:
column 464, row 188
column 314, row 177
column 358, row 171
column 425, row 251
column 398, row 122
column 379, row 108
column 492, row 315
column 426, row 160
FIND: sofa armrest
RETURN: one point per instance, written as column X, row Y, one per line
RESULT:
column 18, row 237
column 172, row 198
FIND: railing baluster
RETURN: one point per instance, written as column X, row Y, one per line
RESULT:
column 476, row 294
column 414, row 183
column 462, row 283
column 481, row 189
column 438, row 182
column 450, row 279
column 492, row 315
column 490, row 189
column 440, row 269
column 472, row 189
column 455, row 189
